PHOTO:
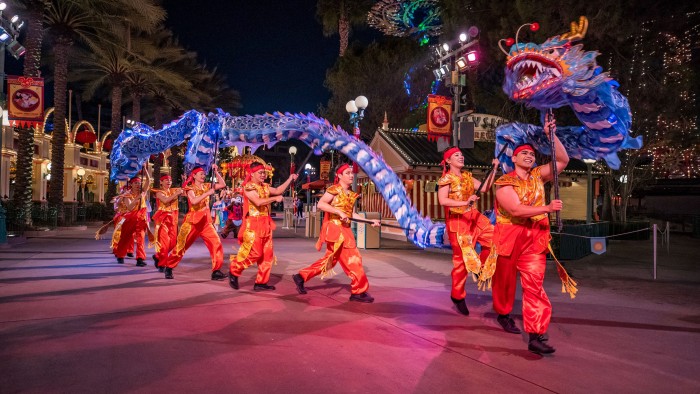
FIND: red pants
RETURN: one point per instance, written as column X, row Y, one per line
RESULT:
column 166, row 233
column 255, row 249
column 133, row 229
column 349, row 259
column 527, row 258
column 481, row 231
column 197, row 224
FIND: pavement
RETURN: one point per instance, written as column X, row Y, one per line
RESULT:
column 72, row 320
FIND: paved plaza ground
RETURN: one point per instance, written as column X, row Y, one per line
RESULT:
column 72, row 320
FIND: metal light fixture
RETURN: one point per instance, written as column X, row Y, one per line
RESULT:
column 14, row 19
column 3, row 5
column 16, row 49
column 463, row 37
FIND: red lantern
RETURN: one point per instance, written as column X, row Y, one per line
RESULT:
column 85, row 137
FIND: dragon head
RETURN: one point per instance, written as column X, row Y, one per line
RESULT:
column 541, row 76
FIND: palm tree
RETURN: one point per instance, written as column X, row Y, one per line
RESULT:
column 338, row 16
column 22, row 198
column 88, row 22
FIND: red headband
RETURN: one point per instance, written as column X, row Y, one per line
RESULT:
column 450, row 152
column 163, row 177
column 196, row 170
column 342, row 168
column 523, row 147
column 135, row 179
column 253, row 166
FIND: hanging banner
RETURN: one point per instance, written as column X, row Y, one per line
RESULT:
column 325, row 169
column 439, row 118
column 25, row 101
column 598, row 245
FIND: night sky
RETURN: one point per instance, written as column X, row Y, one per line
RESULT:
column 272, row 51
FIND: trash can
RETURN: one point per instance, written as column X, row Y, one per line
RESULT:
column 368, row 237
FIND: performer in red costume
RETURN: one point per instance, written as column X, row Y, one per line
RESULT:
column 198, row 223
column 132, row 224
column 339, row 204
column 521, row 242
column 166, row 218
column 255, row 234
column 465, row 226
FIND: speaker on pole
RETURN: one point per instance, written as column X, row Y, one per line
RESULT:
column 466, row 135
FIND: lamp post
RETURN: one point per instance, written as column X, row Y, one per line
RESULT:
column 9, row 31
column 453, row 63
column 292, row 167
column 356, row 109
column 79, row 181
column 589, row 194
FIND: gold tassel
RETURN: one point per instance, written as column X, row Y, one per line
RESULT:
column 103, row 229
column 117, row 234
column 488, row 270
column 185, row 230
column 568, row 284
column 327, row 269
column 244, row 250
column 471, row 260
column 155, row 243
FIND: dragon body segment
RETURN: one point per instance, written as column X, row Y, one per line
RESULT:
column 206, row 133
column 556, row 74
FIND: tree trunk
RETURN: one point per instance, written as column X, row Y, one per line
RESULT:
column 22, row 197
column 116, row 127
column 343, row 29
column 136, row 107
column 174, row 163
column 58, row 139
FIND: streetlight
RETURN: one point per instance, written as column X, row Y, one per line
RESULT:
column 356, row 109
column 9, row 32
column 589, row 194
column 308, row 169
column 453, row 63
column 292, row 167
column 79, row 180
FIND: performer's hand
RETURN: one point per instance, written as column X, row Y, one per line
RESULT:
column 376, row 223
column 294, row 177
column 343, row 216
column 550, row 125
column 555, row 205
column 472, row 199
column 278, row 198
column 214, row 166
column 495, row 161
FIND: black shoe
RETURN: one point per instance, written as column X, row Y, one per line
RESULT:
column 262, row 287
column 161, row 269
column 536, row 345
column 233, row 281
column 508, row 324
column 299, row 281
column 461, row 306
column 130, row 255
column 155, row 261
column 362, row 297
column 169, row 273
column 218, row 275
column 223, row 235
column 140, row 263
column 120, row 260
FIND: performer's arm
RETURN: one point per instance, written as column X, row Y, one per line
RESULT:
column 253, row 197
column 489, row 180
column 147, row 185
column 220, row 182
column 197, row 199
column 445, row 201
column 165, row 199
column 375, row 222
column 562, row 156
column 324, row 204
column 276, row 191
column 132, row 203
column 508, row 199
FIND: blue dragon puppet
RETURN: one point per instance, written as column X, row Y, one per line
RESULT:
column 206, row 133
column 557, row 73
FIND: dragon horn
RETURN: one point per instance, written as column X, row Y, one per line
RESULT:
column 578, row 30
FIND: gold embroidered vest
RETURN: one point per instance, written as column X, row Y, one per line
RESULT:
column 344, row 201
column 530, row 192
column 263, row 191
column 167, row 207
column 461, row 188
column 198, row 191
